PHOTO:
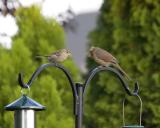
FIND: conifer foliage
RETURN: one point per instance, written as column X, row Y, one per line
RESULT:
column 130, row 30
column 37, row 35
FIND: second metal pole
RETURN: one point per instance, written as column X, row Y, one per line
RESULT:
column 79, row 116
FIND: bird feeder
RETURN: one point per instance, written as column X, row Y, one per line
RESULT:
column 25, row 107
column 140, row 116
column 24, row 111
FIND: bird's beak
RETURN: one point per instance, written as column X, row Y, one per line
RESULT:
column 91, row 49
column 70, row 54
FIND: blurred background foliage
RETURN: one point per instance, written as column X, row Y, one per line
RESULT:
column 130, row 30
column 37, row 35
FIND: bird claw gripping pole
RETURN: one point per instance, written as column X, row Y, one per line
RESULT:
column 78, row 89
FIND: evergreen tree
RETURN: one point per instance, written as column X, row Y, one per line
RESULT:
column 37, row 35
column 130, row 30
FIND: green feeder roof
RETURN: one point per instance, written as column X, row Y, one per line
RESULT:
column 24, row 103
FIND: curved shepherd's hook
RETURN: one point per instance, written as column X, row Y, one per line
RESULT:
column 40, row 69
column 113, row 70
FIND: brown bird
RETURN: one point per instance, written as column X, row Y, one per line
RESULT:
column 58, row 56
column 104, row 58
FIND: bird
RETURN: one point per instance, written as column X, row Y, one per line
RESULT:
column 57, row 56
column 104, row 58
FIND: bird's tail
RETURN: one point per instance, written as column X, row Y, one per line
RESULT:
column 122, row 71
column 40, row 56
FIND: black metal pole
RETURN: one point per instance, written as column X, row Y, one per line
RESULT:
column 78, row 89
column 79, row 116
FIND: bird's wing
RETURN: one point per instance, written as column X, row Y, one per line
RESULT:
column 105, row 56
column 57, row 53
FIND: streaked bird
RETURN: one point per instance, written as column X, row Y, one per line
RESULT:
column 104, row 58
column 58, row 56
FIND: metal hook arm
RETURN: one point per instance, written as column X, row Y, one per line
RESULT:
column 113, row 70
column 40, row 69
